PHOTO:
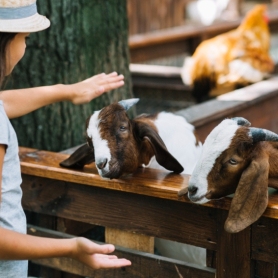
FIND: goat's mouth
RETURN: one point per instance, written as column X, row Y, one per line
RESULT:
column 199, row 199
column 111, row 174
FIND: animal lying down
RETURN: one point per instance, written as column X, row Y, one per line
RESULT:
column 238, row 159
column 120, row 145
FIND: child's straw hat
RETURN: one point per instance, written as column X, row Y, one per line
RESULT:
column 21, row 16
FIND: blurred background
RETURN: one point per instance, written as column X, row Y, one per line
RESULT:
column 146, row 40
column 162, row 33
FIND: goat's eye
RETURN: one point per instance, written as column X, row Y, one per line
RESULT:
column 233, row 161
column 122, row 128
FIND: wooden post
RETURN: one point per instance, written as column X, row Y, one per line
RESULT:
column 129, row 240
column 233, row 251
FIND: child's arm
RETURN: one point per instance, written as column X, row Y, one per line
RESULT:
column 22, row 101
column 16, row 246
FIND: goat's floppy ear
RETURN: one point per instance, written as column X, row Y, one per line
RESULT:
column 83, row 155
column 251, row 196
column 163, row 157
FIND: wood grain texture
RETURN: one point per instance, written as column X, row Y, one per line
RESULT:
column 129, row 240
column 235, row 257
column 265, row 270
column 264, row 240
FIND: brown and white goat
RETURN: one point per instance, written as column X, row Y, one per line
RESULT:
column 240, row 159
column 119, row 145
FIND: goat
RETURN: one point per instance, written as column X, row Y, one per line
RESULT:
column 239, row 159
column 120, row 145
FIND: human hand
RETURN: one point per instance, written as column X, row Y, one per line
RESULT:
column 85, row 91
column 95, row 255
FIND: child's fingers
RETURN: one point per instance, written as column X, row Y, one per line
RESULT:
column 114, row 73
column 114, row 263
column 112, row 86
column 111, row 79
column 101, row 249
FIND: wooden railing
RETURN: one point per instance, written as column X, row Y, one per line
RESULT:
column 145, row 203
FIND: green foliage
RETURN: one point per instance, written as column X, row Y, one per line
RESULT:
column 86, row 37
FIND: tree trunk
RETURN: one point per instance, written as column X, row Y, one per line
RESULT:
column 86, row 37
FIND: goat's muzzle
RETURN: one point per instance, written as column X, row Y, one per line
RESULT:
column 101, row 163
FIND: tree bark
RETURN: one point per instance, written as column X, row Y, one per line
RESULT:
column 86, row 37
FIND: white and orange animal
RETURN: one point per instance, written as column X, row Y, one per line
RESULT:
column 231, row 60
column 119, row 145
column 240, row 159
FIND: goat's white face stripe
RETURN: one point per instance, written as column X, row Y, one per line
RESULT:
column 217, row 141
column 101, row 148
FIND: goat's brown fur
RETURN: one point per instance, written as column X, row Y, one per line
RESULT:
column 132, row 143
column 224, row 177
column 248, row 179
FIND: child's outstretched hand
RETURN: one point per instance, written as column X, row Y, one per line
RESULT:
column 95, row 255
column 85, row 91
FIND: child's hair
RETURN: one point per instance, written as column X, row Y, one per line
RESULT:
column 5, row 39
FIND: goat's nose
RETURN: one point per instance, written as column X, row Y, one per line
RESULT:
column 192, row 190
column 101, row 163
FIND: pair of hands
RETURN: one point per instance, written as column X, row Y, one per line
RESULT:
column 89, row 253
column 85, row 91
column 95, row 255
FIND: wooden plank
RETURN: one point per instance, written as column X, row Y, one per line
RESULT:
column 129, row 240
column 154, row 76
column 149, row 182
column 151, row 52
column 264, row 270
column 145, row 16
column 264, row 240
column 157, row 217
column 145, row 181
column 143, row 264
column 233, row 251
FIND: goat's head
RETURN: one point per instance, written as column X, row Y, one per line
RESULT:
column 119, row 145
column 234, row 161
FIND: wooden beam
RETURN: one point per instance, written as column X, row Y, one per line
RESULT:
column 233, row 251
column 129, row 240
column 265, row 245
column 117, row 209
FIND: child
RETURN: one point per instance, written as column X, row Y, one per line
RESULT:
column 18, row 18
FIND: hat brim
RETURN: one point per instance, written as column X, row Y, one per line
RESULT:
column 29, row 24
